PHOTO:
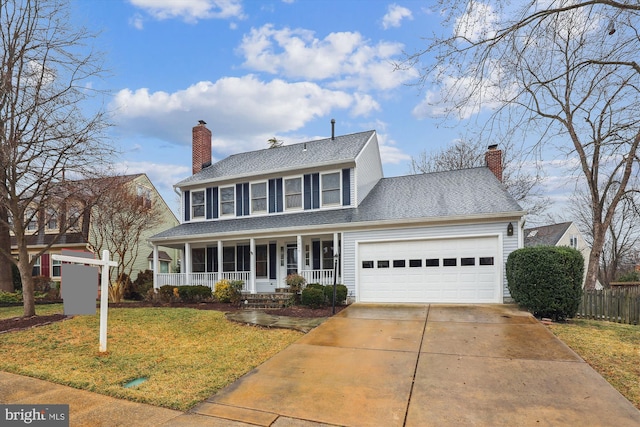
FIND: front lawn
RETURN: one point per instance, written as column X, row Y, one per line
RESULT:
column 186, row 354
column 612, row 349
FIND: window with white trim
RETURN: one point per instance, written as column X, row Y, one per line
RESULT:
column 330, row 188
column 36, row 267
column 73, row 218
column 227, row 201
column 197, row 204
column 293, row 193
column 52, row 219
column 259, row 197
column 56, row 266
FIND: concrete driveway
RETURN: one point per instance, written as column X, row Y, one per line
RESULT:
column 421, row 365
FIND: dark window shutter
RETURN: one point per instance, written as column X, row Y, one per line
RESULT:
column 315, row 189
column 44, row 265
column 273, row 261
column 279, row 196
column 245, row 198
column 316, row 254
column 209, row 201
column 272, row 195
column 214, row 202
column 187, row 206
column 346, row 187
column 307, row 191
column 238, row 199
column 212, row 259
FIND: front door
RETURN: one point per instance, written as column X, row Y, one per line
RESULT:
column 292, row 259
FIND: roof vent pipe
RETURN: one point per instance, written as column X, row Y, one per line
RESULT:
column 333, row 129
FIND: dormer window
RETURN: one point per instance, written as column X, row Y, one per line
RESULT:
column 52, row 219
column 293, row 193
column 197, row 204
column 32, row 219
column 331, row 189
column 227, row 201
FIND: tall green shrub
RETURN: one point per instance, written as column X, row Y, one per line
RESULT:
column 341, row 293
column 546, row 280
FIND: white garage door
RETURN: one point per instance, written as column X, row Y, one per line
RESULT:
column 461, row 270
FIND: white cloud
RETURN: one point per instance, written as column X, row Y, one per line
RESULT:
column 191, row 10
column 478, row 22
column 389, row 153
column 342, row 59
column 394, row 16
column 240, row 111
column 137, row 21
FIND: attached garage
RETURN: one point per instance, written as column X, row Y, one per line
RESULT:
column 453, row 270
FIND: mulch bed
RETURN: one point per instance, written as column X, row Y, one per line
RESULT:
column 19, row 323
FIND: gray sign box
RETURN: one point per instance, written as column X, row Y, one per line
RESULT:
column 79, row 289
column 34, row 415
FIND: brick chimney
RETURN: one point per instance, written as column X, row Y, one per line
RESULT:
column 201, row 147
column 493, row 157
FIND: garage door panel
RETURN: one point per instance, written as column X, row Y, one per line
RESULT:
column 476, row 282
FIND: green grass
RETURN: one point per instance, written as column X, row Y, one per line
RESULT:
column 612, row 349
column 187, row 354
column 41, row 310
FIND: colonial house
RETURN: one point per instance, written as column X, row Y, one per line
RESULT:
column 562, row 234
column 323, row 208
column 71, row 215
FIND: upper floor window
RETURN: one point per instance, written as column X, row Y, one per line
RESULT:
column 73, row 217
column 197, row 204
column 573, row 241
column 227, row 201
column 259, row 197
column 52, row 219
column 331, row 188
column 144, row 196
column 32, row 217
column 293, row 193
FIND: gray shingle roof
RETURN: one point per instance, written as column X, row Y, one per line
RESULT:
column 344, row 148
column 452, row 194
column 546, row 235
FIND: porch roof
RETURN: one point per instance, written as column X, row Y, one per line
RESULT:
column 454, row 194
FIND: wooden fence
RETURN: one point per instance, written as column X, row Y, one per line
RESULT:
column 618, row 304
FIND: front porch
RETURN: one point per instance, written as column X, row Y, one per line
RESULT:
column 261, row 264
column 323, row 276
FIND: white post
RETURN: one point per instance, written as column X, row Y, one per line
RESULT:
column 187, row 263
column 252, row 267
column 219, row 276
column 299, row 250
column 155, row 267
column 104, row 300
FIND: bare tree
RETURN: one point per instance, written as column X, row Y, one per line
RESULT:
column 522, row 185
column 563, row 73
column 119, row 222
column 622, row 240
column 47, row 124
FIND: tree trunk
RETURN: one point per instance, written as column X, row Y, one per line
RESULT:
column 6, row 276
column 594, row 262
column 28, row 299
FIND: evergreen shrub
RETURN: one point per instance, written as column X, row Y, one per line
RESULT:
column 546, row 280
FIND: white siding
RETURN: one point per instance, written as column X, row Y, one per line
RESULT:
column 368, row 169
column 509, row 243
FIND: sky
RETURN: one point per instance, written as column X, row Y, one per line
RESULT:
column 254, row 70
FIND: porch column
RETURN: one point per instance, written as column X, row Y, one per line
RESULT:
column 219, row 260
column 187, row 263
column 155, row 267
column 252, row 270
column 337, row 250
column 299, row 251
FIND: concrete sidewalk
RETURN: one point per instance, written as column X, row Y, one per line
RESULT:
column 421, row 365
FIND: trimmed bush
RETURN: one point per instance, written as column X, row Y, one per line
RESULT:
column 546, row 280
column 312, row 297
column 168, row 293
column 341, row 294
column 228, row 291
column 10, row 297
column 194, row 293
column 316, row 286
column 295, row 282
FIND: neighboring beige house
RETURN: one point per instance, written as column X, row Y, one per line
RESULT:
column 79, row 238
column 563, row 234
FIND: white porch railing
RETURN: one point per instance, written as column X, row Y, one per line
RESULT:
column 202, row 279
column 324, row 277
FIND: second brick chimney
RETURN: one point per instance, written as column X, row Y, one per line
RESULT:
column 201, row 146
column 493, row 157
